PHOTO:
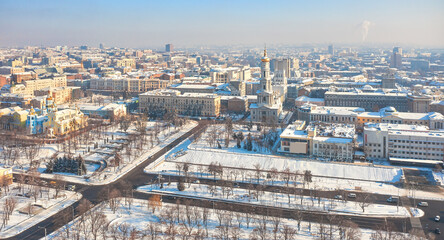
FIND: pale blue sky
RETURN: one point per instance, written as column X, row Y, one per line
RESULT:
column 191, row 23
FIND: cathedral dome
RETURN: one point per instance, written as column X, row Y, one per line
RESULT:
column 265, row 58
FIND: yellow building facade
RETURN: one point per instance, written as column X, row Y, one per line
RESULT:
column 5, row 176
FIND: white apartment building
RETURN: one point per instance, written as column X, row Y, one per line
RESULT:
column 133, row 85
column 29, row 86
column 333, row 148
column 385, row 141
column 334, row 142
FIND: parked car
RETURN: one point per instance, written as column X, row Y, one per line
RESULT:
column 423, row 204
column 437, row 218
column 393, row 199
column 352, row 195
column 437, row 231
column 338, row 197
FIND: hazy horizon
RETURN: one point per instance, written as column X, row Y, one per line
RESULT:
column 143, row 24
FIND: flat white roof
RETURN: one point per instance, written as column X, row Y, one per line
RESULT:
column 333, row 140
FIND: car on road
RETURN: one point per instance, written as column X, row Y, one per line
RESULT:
column 352, row 195
column 70, row 187
column 338, row 197
column 171, row 197
column 437, row 218
column 393, row 199
column 423, row 204
column 437, row 231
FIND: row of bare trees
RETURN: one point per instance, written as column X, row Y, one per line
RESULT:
column 184, row 221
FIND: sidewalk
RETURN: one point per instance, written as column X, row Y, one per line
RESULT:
column 17, row 229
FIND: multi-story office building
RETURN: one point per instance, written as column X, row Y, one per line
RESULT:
column 357, row 116
column 226, row 75
column 283, row 66
column 400, row 141
column 159, row 102
column 169, row 47
column 335, row 142
column 334, row 114
column 132, row 85
column 331, row 50
column 396, row 59
column 370, row 101
column 126, row 62
column 419, row 104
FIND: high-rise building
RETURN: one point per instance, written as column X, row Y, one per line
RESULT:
column 331, row 50
column 396, row 60
column 101, row 46
column 169, row 47
column 283, row 66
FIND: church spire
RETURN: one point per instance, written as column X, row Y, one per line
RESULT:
column 265, row 50
column 265, row 58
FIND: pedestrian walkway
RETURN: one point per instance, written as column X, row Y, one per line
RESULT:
column 414, row 221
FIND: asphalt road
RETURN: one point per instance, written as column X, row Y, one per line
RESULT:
column 137, row 177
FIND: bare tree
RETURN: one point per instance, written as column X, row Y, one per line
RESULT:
column 124, row 123
column 8, row 207
column 97, row 220
column 286, row 175
column 31, row 152
column 351, row 231
column 155, row 202
column 113, row 201
column 287, row 233
column 386, row 231
column 364, row 200
column 262, row 228
column 274, row 174
column 307, row 177
column 258, row 171
column 276, row 221
column 59, row 184
column 153, row 230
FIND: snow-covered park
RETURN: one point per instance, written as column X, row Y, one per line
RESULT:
column 22, row 206
column 151, row 219
column 107, row 151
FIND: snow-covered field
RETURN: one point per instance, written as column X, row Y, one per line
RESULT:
column 268, row 162
column 41, row 208
column 142, row 222
column 290, row 201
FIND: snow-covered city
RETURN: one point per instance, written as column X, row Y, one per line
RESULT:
column 227, row 120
